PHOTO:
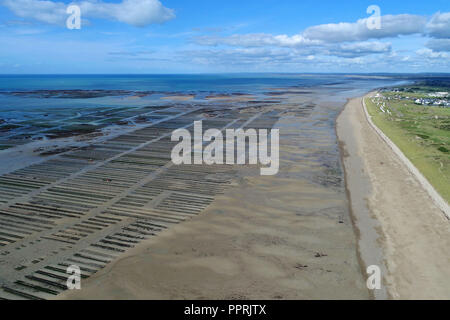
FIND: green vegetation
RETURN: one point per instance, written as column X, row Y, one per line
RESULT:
column 421, row 132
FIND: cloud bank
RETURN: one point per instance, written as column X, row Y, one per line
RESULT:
column 439, row 25
column 391, row 26
column 139, row 13
column 351, row 40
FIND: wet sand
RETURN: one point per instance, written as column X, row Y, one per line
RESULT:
column 142, row 228
column 400, row 228
column 230, row 97
column 178, row 97
column 287, row 236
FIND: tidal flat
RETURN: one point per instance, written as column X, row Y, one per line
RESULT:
column 112, row 202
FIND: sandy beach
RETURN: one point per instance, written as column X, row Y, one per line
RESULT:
column 399, row 226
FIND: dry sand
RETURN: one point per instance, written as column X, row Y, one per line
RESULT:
column 277, row 237
column 412, row 238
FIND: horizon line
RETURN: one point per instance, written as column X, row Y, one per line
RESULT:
column 223, row 73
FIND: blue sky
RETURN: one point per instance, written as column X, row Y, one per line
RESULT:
column 199, row 36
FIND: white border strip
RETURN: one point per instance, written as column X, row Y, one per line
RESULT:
column 438, row 200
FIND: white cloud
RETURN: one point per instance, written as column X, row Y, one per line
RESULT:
column 44, row 11
column 428, row 53
column 243, row 56
column 439, row 44
column 358, row 49
column 134, row 12
column 279, row 60
column 391, row 26
column 344, row 39
column 439, row 25
column 256, row 40
column 302, row 45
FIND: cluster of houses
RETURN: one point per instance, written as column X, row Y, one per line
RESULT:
column 439, row 99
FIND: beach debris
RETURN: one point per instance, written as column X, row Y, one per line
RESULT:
column 210, row 114
column 320, row 255
column 301, row 266
column 141, row 119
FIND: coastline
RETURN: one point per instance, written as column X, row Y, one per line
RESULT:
column 399, row 227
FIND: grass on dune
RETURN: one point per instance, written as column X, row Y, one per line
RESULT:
column 422, row 133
